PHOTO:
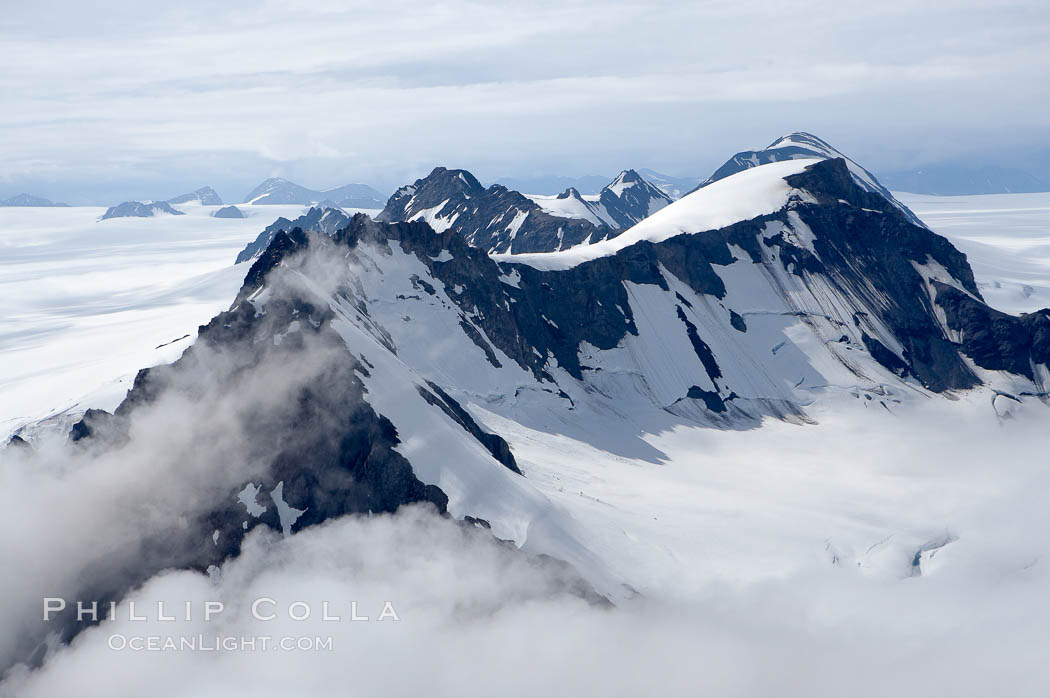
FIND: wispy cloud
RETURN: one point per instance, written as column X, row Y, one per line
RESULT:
column 387, row 91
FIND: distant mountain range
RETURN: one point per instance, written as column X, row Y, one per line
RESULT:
column 958, row 179
column 28, row 200
column 278, row 190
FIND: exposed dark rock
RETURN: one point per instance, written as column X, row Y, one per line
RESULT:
column 496, row 219
column 495, row 444
column 91, row 423
column 884, row 356
column 995, row 340
column 713, row 401
column 703, row 352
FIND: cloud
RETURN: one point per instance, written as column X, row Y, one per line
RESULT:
column 384, row 93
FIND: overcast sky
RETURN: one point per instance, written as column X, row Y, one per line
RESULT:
column 140, row 100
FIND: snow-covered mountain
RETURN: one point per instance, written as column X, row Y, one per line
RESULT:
column 278, row 190
column 501, row 220
column 801, row 145
column 205, row 196
column 29, row 200
column 139, row 209
column 372, row 365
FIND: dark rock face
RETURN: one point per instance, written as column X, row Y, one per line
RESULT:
column 137, row 209
column 90, row 424
column 712, row 400
column 869, row 243
column 995, row 340
column 495, row 444
column 205, row 195
column 29, row 200
column 228, row 212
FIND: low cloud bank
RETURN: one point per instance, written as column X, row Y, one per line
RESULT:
column 478, row 618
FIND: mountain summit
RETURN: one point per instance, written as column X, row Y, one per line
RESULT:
column 805, row 145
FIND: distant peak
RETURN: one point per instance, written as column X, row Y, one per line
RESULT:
column 802, row 138
column 570, row 193
column 628, row 176
column 204, row 195
column 458, row 178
